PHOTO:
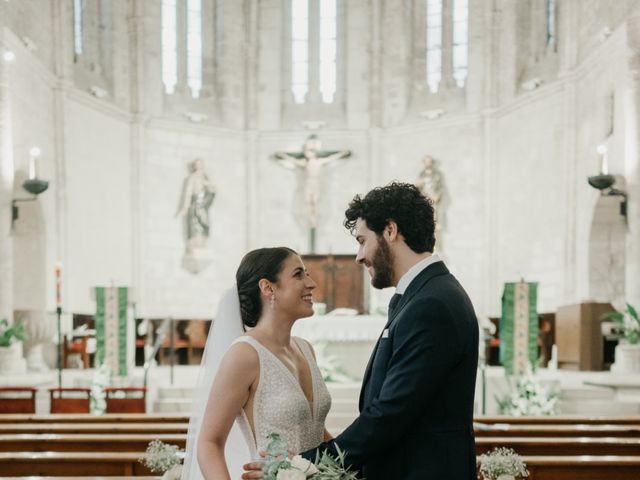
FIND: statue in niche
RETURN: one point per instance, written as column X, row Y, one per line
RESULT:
column 431, row 185
column 197, row 197
column 311, row 160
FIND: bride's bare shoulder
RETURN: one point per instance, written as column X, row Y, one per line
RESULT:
column 241, row 356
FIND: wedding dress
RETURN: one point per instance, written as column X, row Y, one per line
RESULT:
column 279, row 406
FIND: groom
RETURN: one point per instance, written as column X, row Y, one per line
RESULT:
column 416, row 402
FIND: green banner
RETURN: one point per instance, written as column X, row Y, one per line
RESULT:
column 111, row 328
column 519, row 327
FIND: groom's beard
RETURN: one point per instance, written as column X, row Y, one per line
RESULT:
column 382, row 265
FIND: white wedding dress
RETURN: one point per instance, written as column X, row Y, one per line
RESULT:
column 279, row 406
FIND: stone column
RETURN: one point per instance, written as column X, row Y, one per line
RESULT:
column 6, row 181
column 632, row 163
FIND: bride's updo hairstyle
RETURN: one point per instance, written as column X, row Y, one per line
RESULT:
column 262, row 263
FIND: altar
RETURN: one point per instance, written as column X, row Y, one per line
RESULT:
column 348, row 338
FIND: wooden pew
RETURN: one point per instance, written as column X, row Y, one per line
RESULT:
column 56, row 464
column 569, row 446
column 88, row 418
column 104, row 428
column 583, row 467
column 84, row 442
column 559, row 420
column 560, row 430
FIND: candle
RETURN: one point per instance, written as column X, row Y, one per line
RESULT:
column 58, row 285
column 34, row 153
column 604, row 159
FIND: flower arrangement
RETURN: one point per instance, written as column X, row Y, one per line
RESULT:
column 101, row 379
column 628, row 323
column 528, row 396
column 9, row 334
column 278, row 465
column 163, row 458
column 502, row 461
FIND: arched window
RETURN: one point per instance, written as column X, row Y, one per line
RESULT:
column 460, row 41
column 182, row 45
column 314, row 50
column 299, row 49
column 434, row 44
column 169, row 46
column 77, row 26
column 447, row 43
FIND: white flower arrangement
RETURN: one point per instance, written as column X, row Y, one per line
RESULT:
column 164, row 458
column 278, row 465
column 101, row 379
column 502, row 461
column 528, row 397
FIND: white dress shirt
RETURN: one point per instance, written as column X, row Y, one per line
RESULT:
column 414, row 271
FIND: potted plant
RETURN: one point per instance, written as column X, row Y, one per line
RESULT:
column 11, row 360
column 502, row 464
column 627, row 354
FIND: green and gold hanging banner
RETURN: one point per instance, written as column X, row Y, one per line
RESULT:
column 519, row 327
column 111, row 328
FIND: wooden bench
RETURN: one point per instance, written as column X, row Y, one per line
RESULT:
column 74, row 442
column 542, row 430
column 583, row 467
column 71, row 464
column 559, row 420
column 17, row 400
column 104, row 428
column 562, row 445
column 126, row 399
column 88, row 418
column 70, row 400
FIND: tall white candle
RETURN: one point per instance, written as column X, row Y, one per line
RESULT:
column 34, row 153
column 604, row 159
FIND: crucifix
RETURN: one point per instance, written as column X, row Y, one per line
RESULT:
column 311, row 160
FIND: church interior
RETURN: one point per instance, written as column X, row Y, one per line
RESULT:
column 208, row 128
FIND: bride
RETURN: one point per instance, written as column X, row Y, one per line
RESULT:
column 257, row 381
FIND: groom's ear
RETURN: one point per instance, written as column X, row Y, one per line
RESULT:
column 390, row 231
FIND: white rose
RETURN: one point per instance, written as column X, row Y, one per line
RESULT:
column 291, row 474
column 304, row 465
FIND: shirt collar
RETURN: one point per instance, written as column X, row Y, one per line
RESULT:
column 414, row 271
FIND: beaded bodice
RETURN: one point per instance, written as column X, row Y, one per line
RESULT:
column 280, row 405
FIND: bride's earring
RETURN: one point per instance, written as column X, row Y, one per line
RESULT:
column 272, row 301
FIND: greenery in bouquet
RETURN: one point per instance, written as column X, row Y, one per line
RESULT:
column 502, row 461
column 161, row 457
column 528, row 397
column 278, row 465
column 628, row 323
column 8, row 334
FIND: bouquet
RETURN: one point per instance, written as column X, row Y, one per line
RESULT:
column 278, row 465
column 502, row 462
column 163, row 458
column 528, row 396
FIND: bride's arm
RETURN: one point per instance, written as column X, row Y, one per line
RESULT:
column 327, row 436
column 238, row 371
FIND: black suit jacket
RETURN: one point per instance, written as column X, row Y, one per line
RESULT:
column 416, row 402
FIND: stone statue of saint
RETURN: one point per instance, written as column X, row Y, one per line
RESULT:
column 197, row 197
column 430, row 184
column 311, row 160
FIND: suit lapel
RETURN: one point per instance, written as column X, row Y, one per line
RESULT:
column 415, row 286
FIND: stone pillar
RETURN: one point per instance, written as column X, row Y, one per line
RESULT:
column 632, row 162
column 447, row 82
column 6, row 182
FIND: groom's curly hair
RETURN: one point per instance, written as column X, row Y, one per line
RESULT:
column 401, row 202
column 256, row 265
